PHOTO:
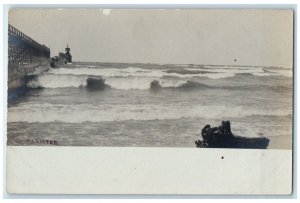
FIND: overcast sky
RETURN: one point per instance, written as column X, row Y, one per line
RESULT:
column 252, row 37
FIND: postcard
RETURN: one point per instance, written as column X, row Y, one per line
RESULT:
column 149, row 101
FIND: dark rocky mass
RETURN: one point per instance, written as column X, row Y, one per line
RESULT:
column 222, row 137
column 155, row 85
column 96, row 83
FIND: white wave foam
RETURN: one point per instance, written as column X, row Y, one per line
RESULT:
column 123, row 83
column 121, row 112
column 211, row 72
column 135, row 72
column 181, row 65
column 141, row 83
column 284, row 72
column 105, row 72
column 139, row 78
column 57, row 81
column 257, row 71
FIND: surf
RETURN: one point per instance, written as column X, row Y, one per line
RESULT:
column 77, row 113
column 121, row 83
column 51, row 80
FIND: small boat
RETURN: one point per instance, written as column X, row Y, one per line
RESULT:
column 222, row 137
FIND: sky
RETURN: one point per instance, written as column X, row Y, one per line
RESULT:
column 186, row 36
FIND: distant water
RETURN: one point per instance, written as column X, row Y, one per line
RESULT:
column 257, row 101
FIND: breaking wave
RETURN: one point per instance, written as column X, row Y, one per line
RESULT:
column 256, row 71
column 57, row 81
column 133, row 83
column 123, row 83
column 120, row 112
column 138, row 72
column 210, row 72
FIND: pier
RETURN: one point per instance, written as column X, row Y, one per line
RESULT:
column 26, row 59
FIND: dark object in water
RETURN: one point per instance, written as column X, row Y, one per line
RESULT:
column 155, row 85
column 95, row 83
column 222, row 137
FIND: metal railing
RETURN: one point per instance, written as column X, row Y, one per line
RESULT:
column 22, row 49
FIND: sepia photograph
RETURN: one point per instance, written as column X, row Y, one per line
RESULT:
column 149, row 100
column 206, row 78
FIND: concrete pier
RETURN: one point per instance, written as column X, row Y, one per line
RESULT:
column 26, row 59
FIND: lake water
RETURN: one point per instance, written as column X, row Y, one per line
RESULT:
column 127, row 112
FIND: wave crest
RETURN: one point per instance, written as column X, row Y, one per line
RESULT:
column 133, row 83
column 123, row 83
column 120, row 112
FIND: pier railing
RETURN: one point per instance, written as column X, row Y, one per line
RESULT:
column 22, row 49
column 26, row 57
